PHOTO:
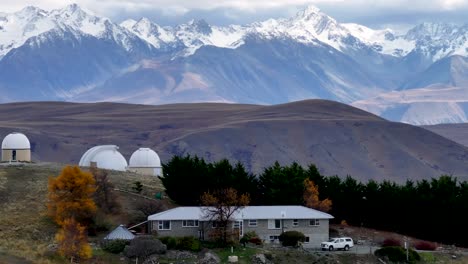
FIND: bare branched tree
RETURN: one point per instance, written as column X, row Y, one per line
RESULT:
column 220, row 207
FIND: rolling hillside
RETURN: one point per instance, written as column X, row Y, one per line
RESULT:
column 25, row 231
column 455, row 132
column 339, row 139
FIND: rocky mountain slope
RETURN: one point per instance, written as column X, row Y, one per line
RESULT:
column 71, row 54
column 340, row 139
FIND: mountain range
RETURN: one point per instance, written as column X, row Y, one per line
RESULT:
column 71, row 54
column 340, row 139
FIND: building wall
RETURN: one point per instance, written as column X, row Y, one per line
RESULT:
column 21, row 154
column 146, row 171
column 316, row 234
column 177, row 230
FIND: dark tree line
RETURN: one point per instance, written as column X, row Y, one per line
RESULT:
column 435, row 209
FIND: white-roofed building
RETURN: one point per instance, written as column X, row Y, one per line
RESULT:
column 267, row 221
column 104, row 157
column 145, row 161
column 120, row 233
column 16, row 147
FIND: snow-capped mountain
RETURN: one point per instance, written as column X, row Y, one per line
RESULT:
column 309, row 26
column 18, row 27
column 439, row 40
column 73, row 54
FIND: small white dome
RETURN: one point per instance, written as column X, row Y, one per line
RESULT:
column 106, row 157
column 16, row 141
column 145, row 158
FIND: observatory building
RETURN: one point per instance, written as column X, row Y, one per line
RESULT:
column 16, row 147
column 104, row 157
column 145, row 161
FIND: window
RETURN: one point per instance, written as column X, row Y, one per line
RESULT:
column 314, row 222
column 295, row 222
column 307, row 239
column 274, row 238
column 215, row 224
column 164, row 225
column 190, row 223
column 274, row 223
column 277, row 223
column 253, row 222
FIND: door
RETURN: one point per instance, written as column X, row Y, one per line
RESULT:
column 13, row 155
column 341, row 243
column 239, row 226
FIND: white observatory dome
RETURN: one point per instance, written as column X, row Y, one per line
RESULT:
column 105, row 157
column 16, row 141
column 145, row 158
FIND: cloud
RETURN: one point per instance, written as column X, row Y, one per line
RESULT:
column 369, row 12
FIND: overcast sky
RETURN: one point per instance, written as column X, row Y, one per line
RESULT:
column 373, row 13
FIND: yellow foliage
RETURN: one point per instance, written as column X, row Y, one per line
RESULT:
column 72, row 240
column 71, row 196
column 344, row 223
column 225, row 197
column 311, row 197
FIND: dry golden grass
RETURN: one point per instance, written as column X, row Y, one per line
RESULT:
column 25, row 230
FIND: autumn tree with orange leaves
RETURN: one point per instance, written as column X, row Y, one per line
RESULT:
column 71, row 196
column 73, row 241
column 311, row 197
column 71, row 206
column 220, row 207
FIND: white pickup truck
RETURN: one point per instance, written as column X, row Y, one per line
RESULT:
column 344, row 243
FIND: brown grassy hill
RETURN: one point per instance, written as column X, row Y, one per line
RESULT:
column 25, row 231
column 338, row 138
column 455, row 132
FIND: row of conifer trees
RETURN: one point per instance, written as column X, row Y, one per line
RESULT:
column 435, row 209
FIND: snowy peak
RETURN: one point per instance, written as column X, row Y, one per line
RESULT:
column 30, row 12
column 150, row 32
column 432, row 30
column 439, row 40
column 128, row 24
column 384, row 41
column 16, row 28
column 72, row 15
column 200, row 26
column 313, row 16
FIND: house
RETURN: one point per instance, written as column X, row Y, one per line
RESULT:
column 267, row 221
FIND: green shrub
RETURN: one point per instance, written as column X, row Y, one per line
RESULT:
column 291, row 238
column 397, row 254
column 182, row 243
column 188, row 243
column 250, row 235
column 244, row 240
column 170, row 242
column 115, row 246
